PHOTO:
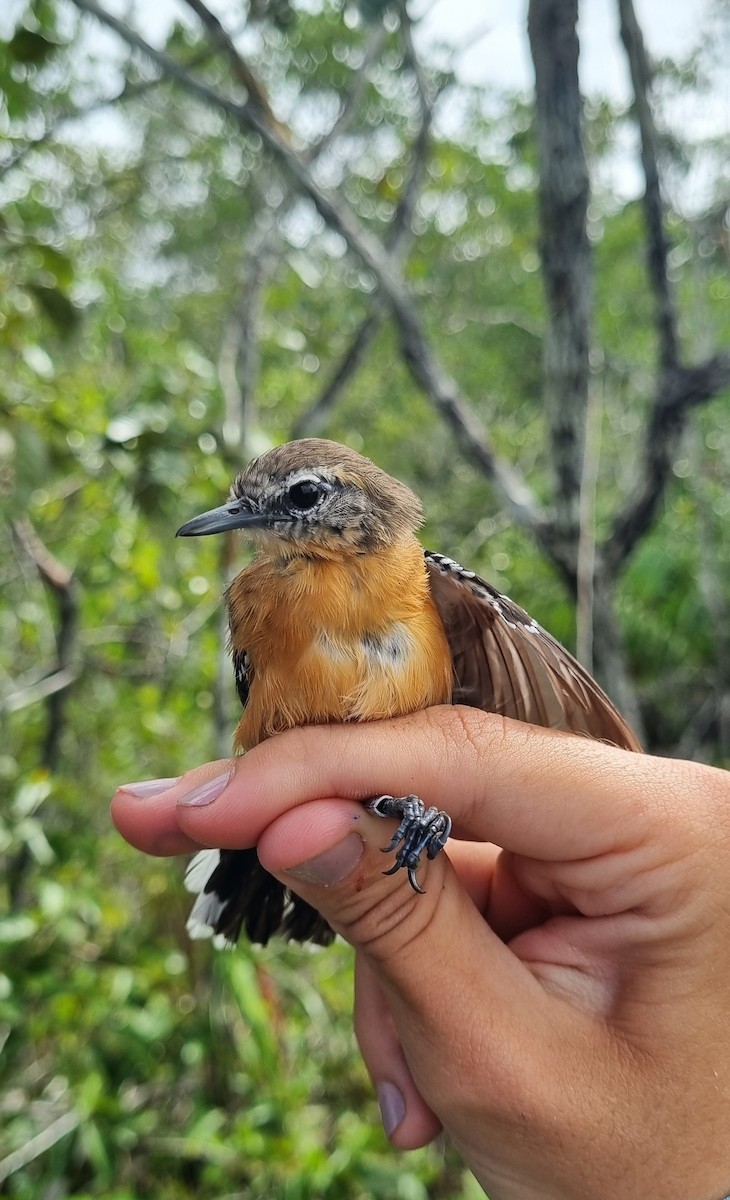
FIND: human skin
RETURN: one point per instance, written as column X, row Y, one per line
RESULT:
column 560, row 1006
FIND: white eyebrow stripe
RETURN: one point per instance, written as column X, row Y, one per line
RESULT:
column 305, row 475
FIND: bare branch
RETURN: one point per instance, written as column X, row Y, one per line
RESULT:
column 712, row 585
column 565, row 250
column 657, row 244
column 60, row 580
column 35, row 1146
column 59, row 681
column 238, row 358
column 130, row 91
column 427, row 371
column 172, row 68
column 62, row 119
column 238, row 361
column 609, row 655
column 351, row 104
column 586, row 551
column 49, row 568
column 61, row 677
column 400, row 233
column 312, row 420
column 421, row 145
column 681, row 390
column 241, row 70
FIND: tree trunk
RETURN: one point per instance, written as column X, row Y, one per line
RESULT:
column 565, row 250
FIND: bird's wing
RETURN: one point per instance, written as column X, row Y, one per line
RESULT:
column 242, row 671
column 504, row 662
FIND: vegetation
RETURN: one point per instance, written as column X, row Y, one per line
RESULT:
column 169, row 303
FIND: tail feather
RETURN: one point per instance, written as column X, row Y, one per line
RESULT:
column 235, row 894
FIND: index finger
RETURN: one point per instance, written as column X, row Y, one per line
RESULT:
column 538, row 793
column 535, row 792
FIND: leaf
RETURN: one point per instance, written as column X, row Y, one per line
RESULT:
column 31, row 795
column 30, row 47
column 58, row 263
column 56, row 305
column 16, row 929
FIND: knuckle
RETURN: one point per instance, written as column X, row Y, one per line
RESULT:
column 468, row 737
column 470, row 734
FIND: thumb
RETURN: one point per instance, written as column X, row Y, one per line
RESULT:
column 330, row 852
column 415, row 946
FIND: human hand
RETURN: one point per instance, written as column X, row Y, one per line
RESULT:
column 559, row 1007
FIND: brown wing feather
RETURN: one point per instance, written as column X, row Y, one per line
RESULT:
column 504, row 662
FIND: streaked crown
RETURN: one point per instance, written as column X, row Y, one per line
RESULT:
column 315, row 496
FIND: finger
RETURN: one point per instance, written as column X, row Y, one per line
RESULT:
column 407, row 1119
column 485, row 872
column 492, row 776
column 418, row 946
column 146, row 813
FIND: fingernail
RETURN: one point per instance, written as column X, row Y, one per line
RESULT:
column 148, row 787
column 206, row 793
column 332, row 865
column 392, row 1106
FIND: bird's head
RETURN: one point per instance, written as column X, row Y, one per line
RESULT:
column 314, row 497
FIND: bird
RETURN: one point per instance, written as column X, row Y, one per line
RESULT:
column 343, row 616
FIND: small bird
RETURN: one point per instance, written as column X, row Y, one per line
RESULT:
column 342, row 616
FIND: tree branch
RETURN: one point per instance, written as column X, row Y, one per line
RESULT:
column 350, row 106
column 237, row 364
column 680, row 390
column 313, row 419
column 60, row 678
column 58, row 122
column 240, row 68
column 130, row 91
column 427, row 371
column 238, row 360
column 173, row 69
column 60, row 581
column 39, row 1144
column 565, row 250
column 657, row 244
column 400, row 234
column 49, row 685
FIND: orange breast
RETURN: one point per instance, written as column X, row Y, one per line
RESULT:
column 353, row 639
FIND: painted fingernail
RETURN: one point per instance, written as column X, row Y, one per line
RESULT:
column 206, row 793
column 332, row 865
column 148, row 787
column 392, row 1106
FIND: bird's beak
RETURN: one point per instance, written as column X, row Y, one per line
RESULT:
column 234, row 515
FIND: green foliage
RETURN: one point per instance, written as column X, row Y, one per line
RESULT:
column 186, row 1075
column 122, row 260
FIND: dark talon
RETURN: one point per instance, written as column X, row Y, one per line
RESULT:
column 414, row 882
column 411, row 876
column 419, row 829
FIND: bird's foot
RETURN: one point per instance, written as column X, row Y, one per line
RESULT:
column 420, row 829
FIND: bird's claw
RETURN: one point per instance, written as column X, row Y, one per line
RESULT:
column 420, row 829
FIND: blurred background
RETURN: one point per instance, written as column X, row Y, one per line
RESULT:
column 223, row 226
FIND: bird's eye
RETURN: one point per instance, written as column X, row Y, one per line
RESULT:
column 305, row 494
